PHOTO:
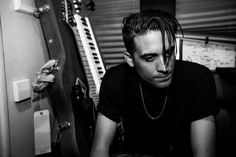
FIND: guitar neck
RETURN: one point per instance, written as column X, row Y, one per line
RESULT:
column 90, row 55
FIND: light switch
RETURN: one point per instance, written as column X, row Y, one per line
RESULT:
column 21, row 90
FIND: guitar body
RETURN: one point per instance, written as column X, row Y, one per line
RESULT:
column 74, row 140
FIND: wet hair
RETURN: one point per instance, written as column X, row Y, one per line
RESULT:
column 142, row 22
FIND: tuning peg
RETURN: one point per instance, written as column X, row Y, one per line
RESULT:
column 78, row 2
column 77, row 5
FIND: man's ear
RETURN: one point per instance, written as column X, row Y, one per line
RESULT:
column 128, row 59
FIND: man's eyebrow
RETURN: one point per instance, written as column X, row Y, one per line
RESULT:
column 148, row 54
column 154, row 54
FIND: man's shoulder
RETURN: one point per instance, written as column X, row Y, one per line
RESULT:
column 117, row 69
column 192, row 67
column 118, row 72
column 191, row 70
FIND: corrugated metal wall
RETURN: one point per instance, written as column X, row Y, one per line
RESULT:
column 207, row 17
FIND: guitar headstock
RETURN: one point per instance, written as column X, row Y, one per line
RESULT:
column 67, row 12
column 69, row 9
column 83, row 6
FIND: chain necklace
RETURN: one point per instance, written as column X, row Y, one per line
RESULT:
column 144, row 104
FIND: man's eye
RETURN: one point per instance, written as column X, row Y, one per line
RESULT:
column 169, row 52
column 149, row 58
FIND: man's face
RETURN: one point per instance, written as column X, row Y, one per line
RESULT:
column 152, row 64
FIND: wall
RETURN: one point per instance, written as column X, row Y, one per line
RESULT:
column 4, row 129
column 23, row 53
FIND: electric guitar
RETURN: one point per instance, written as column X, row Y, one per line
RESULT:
column 87, row 45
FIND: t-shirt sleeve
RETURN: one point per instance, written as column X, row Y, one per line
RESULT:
column 204, row 96
column 108, row 98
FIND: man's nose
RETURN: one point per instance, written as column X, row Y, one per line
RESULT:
column 161, row 64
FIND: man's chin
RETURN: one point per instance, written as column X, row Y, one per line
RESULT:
column 163, row 84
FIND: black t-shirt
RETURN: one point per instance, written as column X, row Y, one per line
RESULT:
column 191, row 96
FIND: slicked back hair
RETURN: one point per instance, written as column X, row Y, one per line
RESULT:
column 142, row 22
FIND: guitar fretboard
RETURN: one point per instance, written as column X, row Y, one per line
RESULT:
column 90, row 55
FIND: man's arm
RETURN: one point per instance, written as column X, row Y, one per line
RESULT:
column 203, row 137
column 104, row 133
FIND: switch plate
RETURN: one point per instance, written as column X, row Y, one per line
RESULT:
column 22, row 6
column 21, row 90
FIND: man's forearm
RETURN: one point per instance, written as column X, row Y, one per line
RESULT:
column 203, row 137
column 99, row 153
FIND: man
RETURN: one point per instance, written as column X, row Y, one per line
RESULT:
column 167, row 106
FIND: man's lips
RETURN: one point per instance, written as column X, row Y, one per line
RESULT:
column 163, row 77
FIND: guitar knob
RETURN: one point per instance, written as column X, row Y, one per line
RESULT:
column 41, row 10
column 64, row 126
